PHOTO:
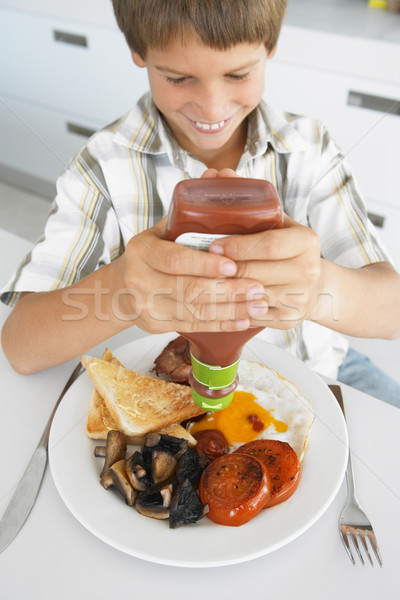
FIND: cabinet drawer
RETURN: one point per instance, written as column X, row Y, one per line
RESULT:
column 355, row 112
column 67, row 65
column 346, row 54
column 40, row 141
column 96, row 12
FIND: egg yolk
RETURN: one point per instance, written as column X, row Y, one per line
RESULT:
column 242, row 421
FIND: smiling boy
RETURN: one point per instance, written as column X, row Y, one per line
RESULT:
column 103, row 265
column 205, row 103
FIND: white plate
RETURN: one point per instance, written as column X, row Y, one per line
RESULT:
column 75, row 472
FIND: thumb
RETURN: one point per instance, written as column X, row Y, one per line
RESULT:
column 288, row 221
column 159, row 229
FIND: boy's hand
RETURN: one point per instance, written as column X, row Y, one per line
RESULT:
column 286, row 261
column 163, row 286
column 288, row 264
column 271, row 278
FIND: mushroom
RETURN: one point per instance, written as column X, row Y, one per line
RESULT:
column 152, row 439
column 186, row 506
column 137, row 474
column 160, row 453
column 163, row 466
column 115, row 451
column 151, row 504
column 166, row 493
column 100, row 451
column 189, row 467
column 122, row 483
column 164, row 442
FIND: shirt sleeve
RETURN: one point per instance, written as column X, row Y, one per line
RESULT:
column 337, row 211
column 81, row 234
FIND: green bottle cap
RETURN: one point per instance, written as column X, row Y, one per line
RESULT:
column 213, row 377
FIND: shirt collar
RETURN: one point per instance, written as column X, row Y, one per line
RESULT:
column 270, row 126
column 144, row 130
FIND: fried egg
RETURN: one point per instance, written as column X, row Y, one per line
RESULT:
column 265, row 405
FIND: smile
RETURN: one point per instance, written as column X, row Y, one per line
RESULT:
column 210, row 127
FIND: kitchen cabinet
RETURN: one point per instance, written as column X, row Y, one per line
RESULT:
column 38, row 140
column 94, row 12
column 367, row 134
column 63, row 80
column 68, row 66
column 342, row 82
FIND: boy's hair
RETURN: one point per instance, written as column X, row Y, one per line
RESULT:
column 218, row 24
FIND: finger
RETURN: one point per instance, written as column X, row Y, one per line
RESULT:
column 199, row 290
column 269, row 273
column 282, row 320
column 169, row 257
column 166, row 314
column 227, row 173
column 274, row 244
column 288, row 221
column 287, row 307
column 291, row 272
column 209, row 173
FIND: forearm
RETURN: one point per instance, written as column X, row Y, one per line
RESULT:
column 46, row 329
column 359, row 302
column 140, row 288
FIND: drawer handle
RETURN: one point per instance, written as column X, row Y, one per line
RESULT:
column 385, row 105
column 80, row 130
column 70, row 38
column 377, row 220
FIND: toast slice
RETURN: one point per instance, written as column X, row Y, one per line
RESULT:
column 99, row 420
column 133, row 403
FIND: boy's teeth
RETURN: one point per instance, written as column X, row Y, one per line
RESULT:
column 207, row 126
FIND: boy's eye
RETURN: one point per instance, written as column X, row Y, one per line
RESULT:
column 185, row 78
column 177, row 80
column 238, row 77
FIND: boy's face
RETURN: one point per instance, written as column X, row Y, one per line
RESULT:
column 206, row 94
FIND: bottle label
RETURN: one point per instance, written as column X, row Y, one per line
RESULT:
column 198, row 241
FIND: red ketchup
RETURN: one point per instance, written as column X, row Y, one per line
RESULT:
column 201, row 211
column 211, row 443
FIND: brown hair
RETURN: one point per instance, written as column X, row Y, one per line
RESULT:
column 218, row 24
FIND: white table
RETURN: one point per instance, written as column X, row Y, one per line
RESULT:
column 54, row 556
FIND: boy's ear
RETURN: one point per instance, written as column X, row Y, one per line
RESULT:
column 137, row 59
column 271, row 53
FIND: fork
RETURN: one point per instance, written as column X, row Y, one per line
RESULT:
column 354, row 524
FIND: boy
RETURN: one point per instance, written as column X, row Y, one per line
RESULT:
column 103, row 265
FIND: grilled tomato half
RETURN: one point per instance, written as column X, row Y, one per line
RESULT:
column 235, row 487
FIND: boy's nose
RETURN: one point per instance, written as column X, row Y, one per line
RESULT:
column 213, row 105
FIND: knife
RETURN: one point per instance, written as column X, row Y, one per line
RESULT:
column 27, row 490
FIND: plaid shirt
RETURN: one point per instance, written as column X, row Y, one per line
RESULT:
column 122, row 180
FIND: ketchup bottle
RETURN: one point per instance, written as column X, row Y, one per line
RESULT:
column 201, row 211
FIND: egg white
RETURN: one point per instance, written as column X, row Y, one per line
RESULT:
column 286, row 403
